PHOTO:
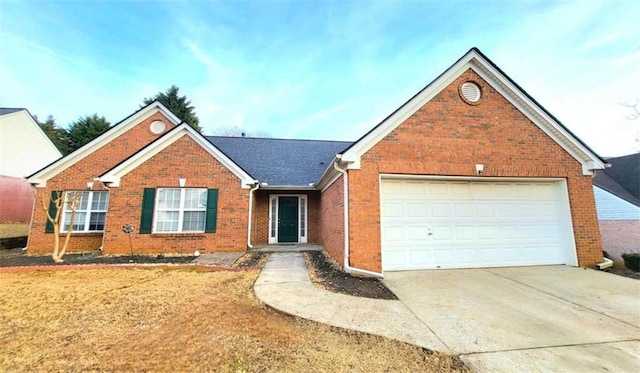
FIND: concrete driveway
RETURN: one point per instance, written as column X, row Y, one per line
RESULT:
column 551, row 318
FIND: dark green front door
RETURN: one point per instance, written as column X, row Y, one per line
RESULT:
column 287, row 219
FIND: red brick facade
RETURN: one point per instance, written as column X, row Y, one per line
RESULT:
column 76, row 178
column 182, row 159
column 332, row 220
column 447, row 136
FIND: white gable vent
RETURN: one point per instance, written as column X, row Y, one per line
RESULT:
column 470, row 91
column 157, row 127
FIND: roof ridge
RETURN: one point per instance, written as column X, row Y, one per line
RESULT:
column 276, row 138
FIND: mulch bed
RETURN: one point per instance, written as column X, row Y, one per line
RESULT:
column 326, row 274
column 10, row 258
column 624, row 272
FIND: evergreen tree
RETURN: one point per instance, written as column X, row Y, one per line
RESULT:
column 179, row 105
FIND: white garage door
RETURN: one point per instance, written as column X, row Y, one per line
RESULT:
column 466, row 224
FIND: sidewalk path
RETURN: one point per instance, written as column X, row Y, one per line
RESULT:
column 284, row 284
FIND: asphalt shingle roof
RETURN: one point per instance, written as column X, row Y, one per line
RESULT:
column 7, row 110
column 280, row 161
column 622, row 178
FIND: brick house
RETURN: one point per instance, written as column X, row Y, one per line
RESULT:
column 470, row 172
column 617, row 193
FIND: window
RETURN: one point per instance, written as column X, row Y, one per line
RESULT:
column 90, row 214
column 180, row 210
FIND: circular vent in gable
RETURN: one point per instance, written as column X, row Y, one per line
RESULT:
column 470, row 91
column 157, row 127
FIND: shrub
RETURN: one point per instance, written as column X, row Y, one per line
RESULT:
column 632, row 261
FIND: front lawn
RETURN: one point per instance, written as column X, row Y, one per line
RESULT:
column 187, row 319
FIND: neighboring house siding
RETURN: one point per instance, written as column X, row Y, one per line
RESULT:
column 24, row 148
column 76, row 178
column 182, row 159
column 612, row 207
column 448, row 137
column 619, row 237
column 16, row 200
column 332, row 220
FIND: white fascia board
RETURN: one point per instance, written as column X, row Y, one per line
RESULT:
column 288, row 187
column 352, row 156
column 100, row 141
column 114, row 175
column 498, row 81
column 538, row 116
column 328, row 174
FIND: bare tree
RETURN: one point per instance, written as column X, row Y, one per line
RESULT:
column 58, row 200
column 635, row 115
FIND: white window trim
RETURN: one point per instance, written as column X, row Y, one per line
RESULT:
column 87, row 212
column 180, row 210
column 302, row 200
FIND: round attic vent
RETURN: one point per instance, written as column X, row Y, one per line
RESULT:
column 157, row 127
column 470, row 91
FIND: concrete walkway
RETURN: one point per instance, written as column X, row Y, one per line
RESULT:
column 284, row 284
column 533, row 319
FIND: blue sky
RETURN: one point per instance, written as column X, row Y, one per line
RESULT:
column 317, row 69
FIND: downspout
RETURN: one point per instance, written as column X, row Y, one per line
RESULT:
column 604, row 265
column 106, row 216
column 347, row 267
column 251, row 191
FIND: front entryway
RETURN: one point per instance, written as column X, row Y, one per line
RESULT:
column 287, row 218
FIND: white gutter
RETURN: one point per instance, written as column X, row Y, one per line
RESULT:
column 257, row 185
column 347, row 267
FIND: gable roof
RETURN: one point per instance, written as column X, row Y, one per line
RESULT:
column 114, row 175
column 622, row 179
column 6, row 110
column 487, row 70
column 40, row 177
column 281, row 162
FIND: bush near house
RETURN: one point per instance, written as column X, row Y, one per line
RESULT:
column 632, row 261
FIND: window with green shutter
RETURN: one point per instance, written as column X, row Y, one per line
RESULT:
column 185, row 210
column 53, row 210
column 146, row 218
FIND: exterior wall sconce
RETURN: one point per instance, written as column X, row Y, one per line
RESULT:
column 182, row 182
column 479, row 169
column 89, row 185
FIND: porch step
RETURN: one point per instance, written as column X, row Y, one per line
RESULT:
column 286, row 248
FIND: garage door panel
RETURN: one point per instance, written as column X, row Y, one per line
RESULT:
column 464, row 224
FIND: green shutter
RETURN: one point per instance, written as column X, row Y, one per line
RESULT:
column 48, row 228
column 146, row 218
column 211, row 219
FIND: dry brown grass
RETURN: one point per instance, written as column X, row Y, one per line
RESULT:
column 176, row 320
column 14, row 230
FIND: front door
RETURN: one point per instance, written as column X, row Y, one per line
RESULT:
column 287, row 219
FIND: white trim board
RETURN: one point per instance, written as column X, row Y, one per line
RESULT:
column 475, row 61
column 41, row 177
column 114, row 176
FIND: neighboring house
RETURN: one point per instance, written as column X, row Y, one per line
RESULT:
column 470, row 172
column 24, row 149
column 617, row 193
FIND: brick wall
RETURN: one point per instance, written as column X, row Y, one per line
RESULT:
column 182, row 159
column 331, row 221
column 76, row 178
column 448, row 137
column 619, row 237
